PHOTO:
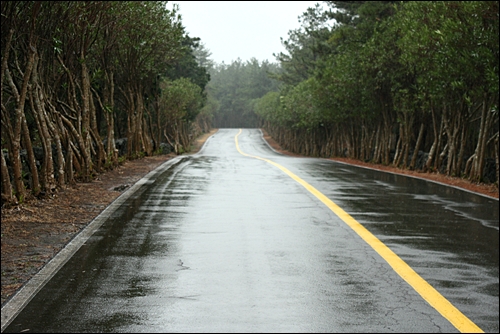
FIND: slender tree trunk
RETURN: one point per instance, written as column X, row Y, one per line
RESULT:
column 70, row 177
column 131, row 110
column 461, row 151
column 7, row 194
column 159, row 122
column 399, row 147
column 94, row 132
column 37, row 101
column 453, row 123
column 377, row 151
column 110, row 116
column 78, row 139
column 496, row 159
column 139, row 147
column 85, row 108
column 408, row 137
column 146, row 137
column 438, row 158
column 111, row 155
column 20, row 99
column 487, row 117
column 417, row 146
column 42, row 137
column 7, row 189
column 35, row 182
column 53, row 127
column 434, row 146
column 66, row 140
column 388, row 144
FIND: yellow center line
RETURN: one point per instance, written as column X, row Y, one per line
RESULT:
column 424, row 289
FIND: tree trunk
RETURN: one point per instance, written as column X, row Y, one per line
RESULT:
column 7, row 189
column 487, row 117
column 496, row 158
column 66, row 139
column 434, row 148
column 377, row 153
column 94, row 132
column 20, row 99
column 37, row 104
column 53, row 127
column 85, row 113
column 146, row 138
column 35, row 182
column 461, row 151
column 43, row 138
column 110, row 117
column 417, row 146
column 399, row 144
column 7, row 194
column 408, row 137
column 129, row 97
column 139, row 116
column 438, row 158
column 453, row 123
column 77, row 138
column 111, row 156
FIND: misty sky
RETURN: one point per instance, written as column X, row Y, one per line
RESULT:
column 244, row 29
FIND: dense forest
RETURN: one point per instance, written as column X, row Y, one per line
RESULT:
column 236, row 88
column 413, row 84
column 85, row 85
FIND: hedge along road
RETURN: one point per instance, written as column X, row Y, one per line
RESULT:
column 238, row 238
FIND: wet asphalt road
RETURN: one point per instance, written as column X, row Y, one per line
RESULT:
column 221, row 242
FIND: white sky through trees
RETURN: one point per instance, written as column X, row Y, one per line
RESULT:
column 244, row 29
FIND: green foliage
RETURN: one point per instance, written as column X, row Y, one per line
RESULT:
column 304, row 47
column 99, row 65
column 187, row 65
column 269, row 107
column 452, row 45
column 181, row 100
column 368, row 74
column 236, row 87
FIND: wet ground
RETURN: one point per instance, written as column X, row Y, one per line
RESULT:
column 220, row 242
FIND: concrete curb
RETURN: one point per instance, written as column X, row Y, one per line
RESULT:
column 268, row 145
